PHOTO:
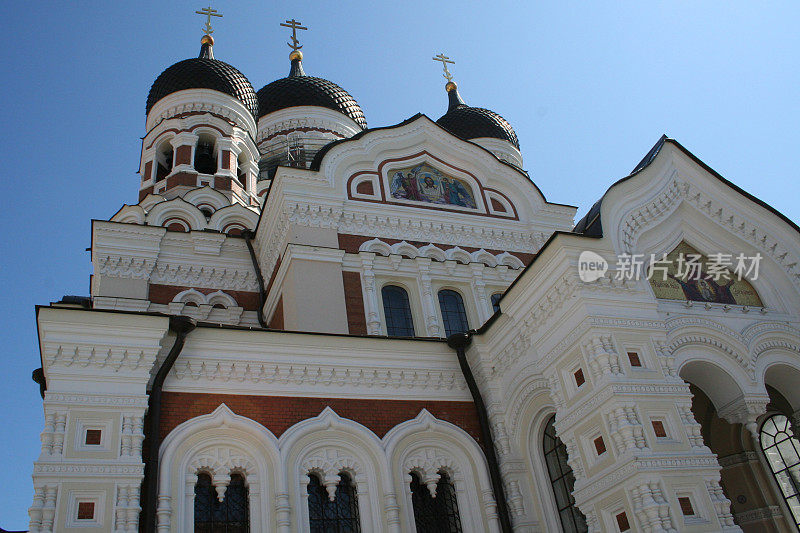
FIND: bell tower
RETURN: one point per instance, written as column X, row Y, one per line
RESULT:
column 200, row 126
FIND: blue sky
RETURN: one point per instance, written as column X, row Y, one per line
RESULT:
column 589, row 87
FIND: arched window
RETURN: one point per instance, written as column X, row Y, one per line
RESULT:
column 496, row 301
column 562, row 481
column 205, row 160
column 454, row 315
column 439, row 514
column 231, row 515
column 164, row 160
column 337, row 516
column 782, row 450
column 399, row 322
column 241, row 175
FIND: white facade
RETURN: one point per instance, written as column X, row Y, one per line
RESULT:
column 316, row 229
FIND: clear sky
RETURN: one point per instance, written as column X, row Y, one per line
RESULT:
column 589, row 87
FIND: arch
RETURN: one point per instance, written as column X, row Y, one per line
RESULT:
column 509, row 260
column 328, row 444
column 434, row 252
column 176, row 208
column 783, row 374
column 233, row 214
column 207, row 195
column 427, row 445
column 482, row 256
column 531, row 408
column 130, row 214
column 191, row 295
column 457, row 254
column 717, row 383
column 375, row 246
column 218, row 443
column 221, row 298
column 151, row 200
column 405, row 249
column 685, row 221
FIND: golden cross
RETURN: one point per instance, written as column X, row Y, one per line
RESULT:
column 445, row 60
column 295, row 25
column 209, row 13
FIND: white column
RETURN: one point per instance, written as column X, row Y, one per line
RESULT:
column 432, row 327
column 371, row 301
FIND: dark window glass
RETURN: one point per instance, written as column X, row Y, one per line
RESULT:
column 439, row 514
column 231, row 515
column 496, row 301
column 337, row 516
column 399, row 322
column 454, row 315
column 204, row 160
column 783, row 455
column 562, row 480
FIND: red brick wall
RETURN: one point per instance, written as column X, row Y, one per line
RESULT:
column 164, row 294
column 350, row 243
column 354, row 303
column 279, row 413
column 182, row 178
column 144, row 192
column 276, row 322
column 183, row 155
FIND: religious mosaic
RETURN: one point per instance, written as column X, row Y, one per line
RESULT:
column 686, row 274
column 423, row 183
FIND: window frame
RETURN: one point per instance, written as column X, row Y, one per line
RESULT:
column 544, row 452
column 411, row 313
column 353, row 507
column 770, row 465
column 467, row 314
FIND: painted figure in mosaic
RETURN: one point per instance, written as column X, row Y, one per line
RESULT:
column 424, row 183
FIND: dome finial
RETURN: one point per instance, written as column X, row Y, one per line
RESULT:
column 207, row 41
column 296, row 56
column 450, row 86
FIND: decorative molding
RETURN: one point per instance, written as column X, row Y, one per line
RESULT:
column 93, row 470
column 356, row 380
column 679, row 190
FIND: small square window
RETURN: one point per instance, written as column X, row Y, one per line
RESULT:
column 85, row 510
column 622, row 522
column 93, row 437
column 658, row 428
column 633, row 357
column 686, row 506
column 600, row 445
column 579, row 379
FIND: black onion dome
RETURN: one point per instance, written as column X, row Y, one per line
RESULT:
column 298, row 89
column 204, row 72
column 475, row 122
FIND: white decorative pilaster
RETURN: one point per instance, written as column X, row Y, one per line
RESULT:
column 428, row 303
column 371, row 300
column 482, row 303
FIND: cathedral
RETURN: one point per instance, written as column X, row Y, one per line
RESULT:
column 307, row 324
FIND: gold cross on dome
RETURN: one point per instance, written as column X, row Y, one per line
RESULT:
column 208, row 30
column 445, row 60
column 295, row 25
